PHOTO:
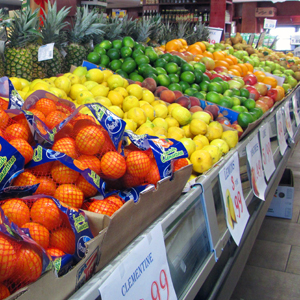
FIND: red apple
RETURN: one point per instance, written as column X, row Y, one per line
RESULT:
column 268, row 100
column 254, row 94
column 209, row 63
column 221, row 69
column 261, row 88
column 208, row 73
column 226, row 77
column 261, row 104
column 250, row 79
column 274, row 94
column 216, row 75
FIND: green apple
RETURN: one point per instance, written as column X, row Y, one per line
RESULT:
column 240, row 80
column 270, row 64
column 289, row 72
column 234, row 84
column 292, row 81
column 276, row 72
column 267, row 69
column 277, row 66
column 235, row 101
column 249, row 60
column 230, row 49
column 262, row 64
column 228, row 93
column 282, row 69
column 239, row 54
column 286, row 87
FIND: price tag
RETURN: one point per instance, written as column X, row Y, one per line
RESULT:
column 295, row 106
column 46, row 52
column 143, row 274
column 261, row 39
column 251, row 39
column 288, row 121
column 266, row 151
column 236, row 211
column 280, row 134
column 269, row 23
column 215, row 35
column 258, row 182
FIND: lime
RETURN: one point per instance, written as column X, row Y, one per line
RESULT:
column 128, row 66
column 213, row 97
column 148, row 49
column 215, row 87
column 122, row 73
column 244, row 119
column 128, row 42
column 190, row 91
column 198, row 76
column 161, row 70
column 161, row 62
column 126, row 52
column 249, row 104
column 205, row 78
column 136, row 77
column 117, row 44
column 200, row 95
column 149, row 70
column 195, row 86
column 242, row 99
column 104, row 60
column 136, row 53
column 128, row 58
column 236, row 92
column 175, row 87
column 153, row 56
column 94, row 58
column 142, row 67
column 257, row 112
column 142, row 59
column 174, row 78
column 187, row 67
column 188, row 77
column 113, row 53
column 139, row 46
column 225, row 85
column 106, row 44
column 167, row 56
column 164, row 80
column 200, row 66
column 177, row 60
column 204, row 86
column 171, row 68
column 228, row 93
column 115, row 64
column 244, row 92
column 217, row 79
column 226, row 102
column 99, row 50
column 154, row 76
column 238, row 108
column 133, row 74
column 184, row 85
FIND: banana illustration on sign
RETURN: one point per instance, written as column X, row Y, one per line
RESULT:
column 230, row 208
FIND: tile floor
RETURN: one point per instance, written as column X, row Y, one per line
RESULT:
column 272, row 271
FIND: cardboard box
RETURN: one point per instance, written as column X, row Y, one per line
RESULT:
column 133, row 218
column 282, row 202
column 262, row 12
column 49, row 286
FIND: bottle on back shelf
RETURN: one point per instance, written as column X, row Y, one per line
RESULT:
column 200, row 17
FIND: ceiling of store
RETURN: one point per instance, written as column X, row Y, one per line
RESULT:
column 10, row 2
column 123, row 3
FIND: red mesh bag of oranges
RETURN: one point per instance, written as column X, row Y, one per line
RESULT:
column 59, row 229
column 22, row 260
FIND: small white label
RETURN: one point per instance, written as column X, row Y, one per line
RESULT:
column 296, row 110
column 288, row 121
column 280, row 134
column 269, row 23
column 46, row 52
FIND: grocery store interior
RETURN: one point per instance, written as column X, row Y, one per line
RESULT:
column 149, row 149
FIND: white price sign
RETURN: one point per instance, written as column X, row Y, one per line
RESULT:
column 215, row 35
column 266, row 151
column 143, row 274
column 237, row 214
column 288, row 121
column 280, row 133
column 46, row 52
column 257, row 178
column 269, row 23
column 296, row 114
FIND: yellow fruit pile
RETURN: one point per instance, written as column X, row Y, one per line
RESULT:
column 143, row 113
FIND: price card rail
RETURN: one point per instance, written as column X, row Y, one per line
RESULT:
column 201, row 253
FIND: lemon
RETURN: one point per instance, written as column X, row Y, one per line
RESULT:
column 202, row 138
column 34, row 82
column 160, row 122
column 214, row 151
column 175, row 133
column 95, row 75
column 63, row 83
column 130, row 125
column 122, row 91
column 135, row 90
column 16, row 82
column 125, row 115
column 198, row 127
column 172, row 122
column 79, row 71
column 161, row 111
column 130, row 102
column 24, row 82
column 187, row 131
column 41, row 86
column 106, row 74
column 115, row 98
column 67, row 74
column 26, row 89
column 90, row 84
column 201, row 160
column 145, row 130
column 99, row 90
column 22, row 94
column 156, row 102
column 182, row 115
column 58, row 92
column 137, row 115
column 103, row 100
column 189, row 145
column 81, row 96
column 115, row 81
column 148, row 109
column 221, row 144
column 172, row 106
column 148, row 96
column 74, row 79
column 142, row 102
column 82, row 79
column 89, row 100
column 49, row 81
column 104, row 84
column 53, row 78
column 125, row 84
column 28, row 94
column 117, row 111
column 160, row 131
column 230, row 137
column 76, row 89
column 199, row 144
column 214, row 132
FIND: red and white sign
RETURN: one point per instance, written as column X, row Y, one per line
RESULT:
column 215, row 35
column 296, row 114
column 266, row 151
column 236, row 210
column 288, row 121
column 144, row 273
column 258, row 182
column 280, row 133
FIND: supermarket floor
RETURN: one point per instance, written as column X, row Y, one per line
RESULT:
column 273, row 268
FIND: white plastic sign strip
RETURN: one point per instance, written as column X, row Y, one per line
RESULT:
column 266, row 151
column 46, row 52
column 288, row 121
column 143, row 274
column 270, row 23
column 280, row 134
column 296, row 113
column 257, row 178
column 236, row 210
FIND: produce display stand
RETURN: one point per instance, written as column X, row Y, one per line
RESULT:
column 202, row 256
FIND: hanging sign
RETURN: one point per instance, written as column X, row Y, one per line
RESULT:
column 288, row 121
column 237, row 214
column 215, row 35
column 296, row 110
column 269, row 23
column 280, row 134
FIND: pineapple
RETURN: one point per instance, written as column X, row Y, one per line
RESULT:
column 38, row 67
column 85, row 27
column 144, row 29
column 51, row 31
column 128, row 26
column 2, row 27
column 18, row 56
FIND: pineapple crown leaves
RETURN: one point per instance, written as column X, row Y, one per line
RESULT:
column 128, row 26
column 85, row 26
column 144, row 29
column 167, row 33
column 53, row 23
column 197, row 33
column 24, row 28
